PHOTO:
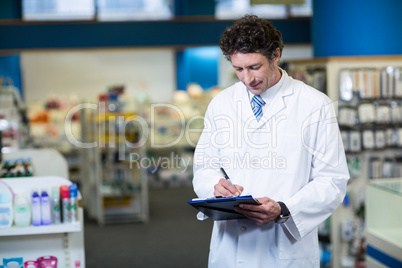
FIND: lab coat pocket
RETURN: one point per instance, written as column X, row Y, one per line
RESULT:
column 290, row 248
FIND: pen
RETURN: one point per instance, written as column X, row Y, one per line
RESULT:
column 226, row 175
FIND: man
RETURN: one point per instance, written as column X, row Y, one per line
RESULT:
column 282, row 146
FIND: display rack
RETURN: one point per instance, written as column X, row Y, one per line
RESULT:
column 45, row 162
column 64, row 241
column 175, row 129
column 170, row 142
column 369, row 83
column 50, row 124
column 115, row 180
column 14, row 129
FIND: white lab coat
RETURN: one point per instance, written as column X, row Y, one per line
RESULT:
column 294, row 154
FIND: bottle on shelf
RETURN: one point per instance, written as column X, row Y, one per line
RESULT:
column 5, row 169
column 6, row 206
column 73, row 202
column 56, row 218
column 28, row 168
column 19, row 169
column 65, row 203
column 22, row 210
column 36, row 209
column 12, row 171
column 45, row 208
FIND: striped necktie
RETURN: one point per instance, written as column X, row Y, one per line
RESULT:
column 258, row 102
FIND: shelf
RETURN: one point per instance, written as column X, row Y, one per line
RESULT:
column 371, row 126
column 25, row 185
column 383, row 221
column 38, row 230
column 390, row 235
column 114, row 175
column 64, row 241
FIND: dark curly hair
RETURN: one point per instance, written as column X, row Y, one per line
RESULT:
column 251, row 34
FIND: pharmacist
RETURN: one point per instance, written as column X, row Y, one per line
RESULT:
column 277, row 139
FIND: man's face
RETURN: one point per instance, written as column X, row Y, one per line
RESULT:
column 255, row 71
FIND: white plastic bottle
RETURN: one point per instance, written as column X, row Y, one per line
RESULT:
column 36, row 213
column 22, row 210
column 6, row 206
column 46, row 219
column 56, row 218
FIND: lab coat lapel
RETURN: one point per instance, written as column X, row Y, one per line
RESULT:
column 277, row 104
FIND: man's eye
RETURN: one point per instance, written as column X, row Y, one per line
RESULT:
column 238, row 69
column 255, row 67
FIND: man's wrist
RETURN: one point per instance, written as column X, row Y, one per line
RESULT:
column 285, row 213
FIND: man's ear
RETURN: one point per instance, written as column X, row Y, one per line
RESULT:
column 278, row 52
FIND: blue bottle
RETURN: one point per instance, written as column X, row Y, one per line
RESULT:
column 73, row 202
column 36, row 210
column 45, row 208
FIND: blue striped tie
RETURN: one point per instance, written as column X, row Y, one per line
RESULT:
column 258, row 102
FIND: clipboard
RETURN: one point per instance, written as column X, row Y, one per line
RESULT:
column 222, row 208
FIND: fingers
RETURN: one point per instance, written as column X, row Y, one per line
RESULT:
column 239, row 188
column 260, row 214
column 258, row 217
column 266, row 205
column 225, row 188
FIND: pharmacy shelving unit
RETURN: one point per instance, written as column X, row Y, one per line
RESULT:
column 45, row 162
column 14, row 127
column 175, row 129
column 173, row 139
column 384, row 229
column 114, row 179
column 371, row 76
column 64, row 241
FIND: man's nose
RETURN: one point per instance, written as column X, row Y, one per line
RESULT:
column 248, row 77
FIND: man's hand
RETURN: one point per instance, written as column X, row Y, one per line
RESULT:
column 225, row 188
column 267, row 212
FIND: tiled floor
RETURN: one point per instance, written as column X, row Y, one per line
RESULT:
column 172, row 238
